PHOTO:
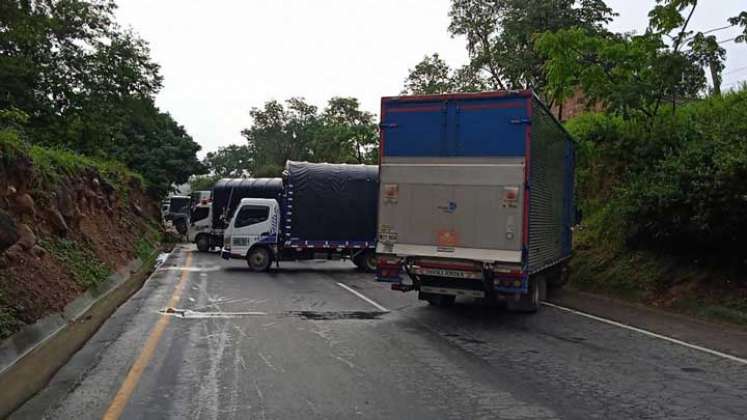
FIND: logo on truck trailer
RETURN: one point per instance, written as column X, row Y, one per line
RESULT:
column 449, row 208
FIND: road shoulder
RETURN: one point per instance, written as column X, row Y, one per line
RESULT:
column 32, row 372
column 723, row 338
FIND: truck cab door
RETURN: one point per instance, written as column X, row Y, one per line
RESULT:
column 251, row 224
column 200, row 220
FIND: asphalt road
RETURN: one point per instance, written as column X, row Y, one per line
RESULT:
column 298, row 343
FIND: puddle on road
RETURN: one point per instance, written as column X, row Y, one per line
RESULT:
column 309, row 315
column 336, row 315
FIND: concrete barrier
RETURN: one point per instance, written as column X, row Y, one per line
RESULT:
column 29, row 358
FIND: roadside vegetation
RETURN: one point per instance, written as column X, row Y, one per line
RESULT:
column 75, row 82
column 87, row 270
column 296, row 130
column 67, row 221
column 661, row 152
column 84, row 152
column 666, row 205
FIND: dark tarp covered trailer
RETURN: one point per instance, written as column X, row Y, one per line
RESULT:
column 228, row 192
column 179, row 204
column 330, row 202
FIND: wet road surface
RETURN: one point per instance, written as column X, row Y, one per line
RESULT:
column 320, row 340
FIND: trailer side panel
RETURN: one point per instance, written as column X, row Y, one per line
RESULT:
column 550, row 191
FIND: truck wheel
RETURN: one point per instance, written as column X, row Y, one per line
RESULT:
column 259, row 259
column 366, row 261
column 559, row 277
column 181, row 226
column 530, row 302
column 203, row 243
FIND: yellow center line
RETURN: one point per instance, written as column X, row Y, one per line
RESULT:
column 124, row 394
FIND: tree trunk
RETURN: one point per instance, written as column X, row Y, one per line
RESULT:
column 716, row 77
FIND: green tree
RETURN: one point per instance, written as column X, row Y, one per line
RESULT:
column 203, row 182
column 430, row 76
column 342, row 133
column 740, row 20
column 155, row 145
column 433, row 76
column 88, row 86
column 500, row 34
column 280, row 133
column 635, row 74
column 233, row 161
column 346, row 133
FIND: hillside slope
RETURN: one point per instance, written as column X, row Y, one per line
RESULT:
column 66, row 223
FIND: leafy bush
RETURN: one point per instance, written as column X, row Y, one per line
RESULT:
column 11, row 142
column 674, row 183
column 147, row 244
column 695, row 198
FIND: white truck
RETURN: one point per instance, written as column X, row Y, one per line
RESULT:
column 210, row 217
column 326, row 211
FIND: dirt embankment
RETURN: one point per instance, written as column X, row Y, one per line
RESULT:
column 605, row 266
column 62, row 232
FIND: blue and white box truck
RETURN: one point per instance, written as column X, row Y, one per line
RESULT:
column 476, row 197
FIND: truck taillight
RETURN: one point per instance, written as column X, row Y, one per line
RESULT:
column 388, row 268
column 510, row 196
column 386, row 261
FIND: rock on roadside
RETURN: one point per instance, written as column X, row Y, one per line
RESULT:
column 8, row 231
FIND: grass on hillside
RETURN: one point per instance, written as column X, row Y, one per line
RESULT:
column 50, row 165
column 603, row 264
column 148, row 243
column 87, row 270
column 53, row 163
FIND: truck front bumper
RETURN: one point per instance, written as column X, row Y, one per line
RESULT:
column 226, row 254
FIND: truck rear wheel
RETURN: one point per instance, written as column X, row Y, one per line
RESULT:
column 259, row 259
column 530, row 302
column 559, row 277
column 203, row 243
column 366, row 261
column 439, row 300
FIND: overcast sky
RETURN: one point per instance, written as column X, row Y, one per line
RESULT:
column 223, row 57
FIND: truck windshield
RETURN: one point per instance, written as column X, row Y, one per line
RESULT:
column 250, row 215
column 199, row 213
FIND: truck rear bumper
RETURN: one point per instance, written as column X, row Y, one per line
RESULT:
column 454, row 277
column 473, row 254
column 453, row 292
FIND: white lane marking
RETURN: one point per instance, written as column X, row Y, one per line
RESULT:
column 650, row 334
column 379, row 307
column 186, row 313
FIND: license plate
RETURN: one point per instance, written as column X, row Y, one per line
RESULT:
column 440, row 272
